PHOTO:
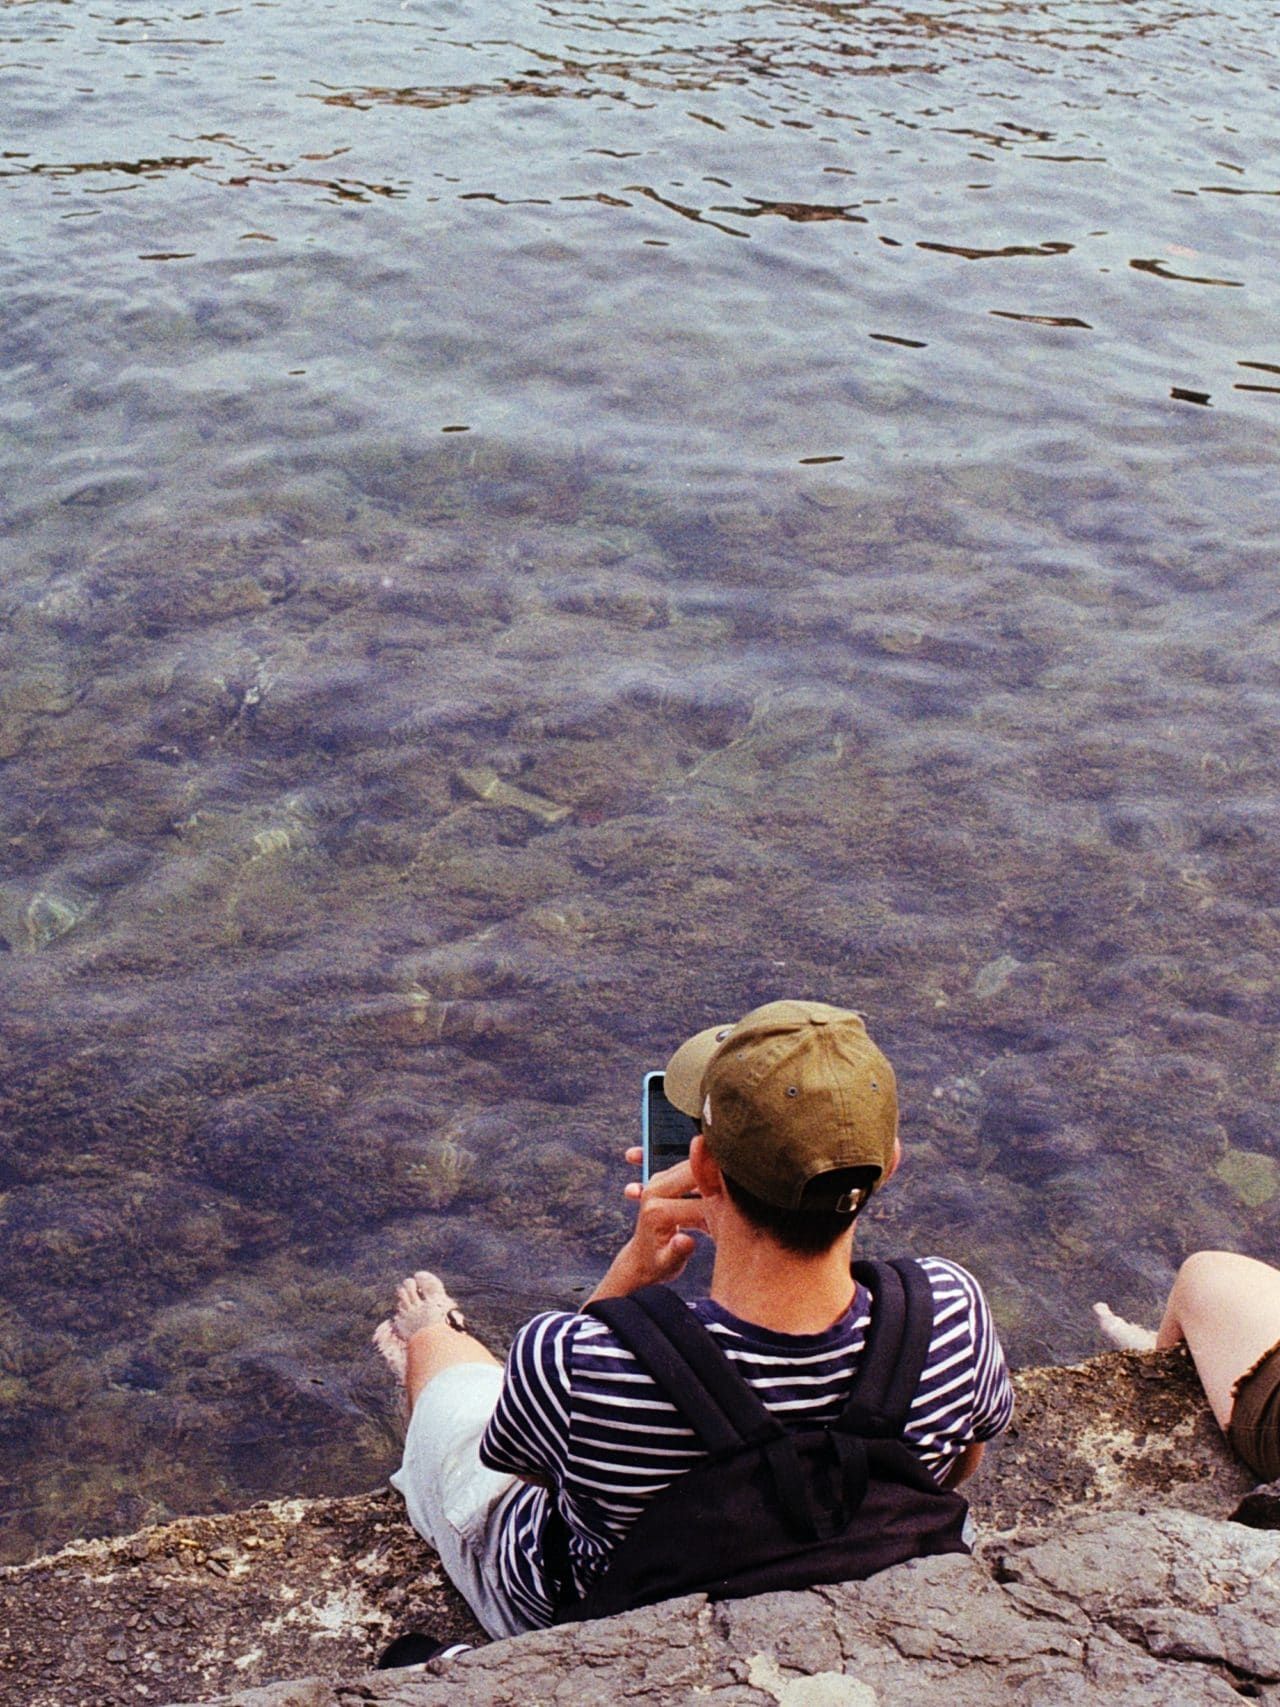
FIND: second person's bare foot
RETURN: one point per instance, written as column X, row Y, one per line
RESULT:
column 1129, row 1336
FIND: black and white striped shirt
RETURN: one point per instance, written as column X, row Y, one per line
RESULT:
column 576, row 1409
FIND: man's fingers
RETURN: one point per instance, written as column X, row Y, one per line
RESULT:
column 677, row 1253
column 660, row 1213
column 675, row 1181
column 634, row 1155
column 670, row 1258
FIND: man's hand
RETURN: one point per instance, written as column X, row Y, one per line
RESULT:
column 963, row 1466
column 663, row 1239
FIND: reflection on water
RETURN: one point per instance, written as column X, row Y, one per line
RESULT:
column 568, row 545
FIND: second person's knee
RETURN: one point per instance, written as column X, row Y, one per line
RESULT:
column 1207, row 1277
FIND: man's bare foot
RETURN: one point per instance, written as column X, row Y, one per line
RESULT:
column 1127, row 1335
column 421, row 1302
column 392, row 1347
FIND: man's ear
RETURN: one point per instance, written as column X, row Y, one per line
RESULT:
column 706, row 1170
column 894, row 1160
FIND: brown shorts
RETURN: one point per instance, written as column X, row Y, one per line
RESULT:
column 1254, row 1429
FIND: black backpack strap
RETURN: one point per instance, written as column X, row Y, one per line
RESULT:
column 670, row 1343
column 898, row 1342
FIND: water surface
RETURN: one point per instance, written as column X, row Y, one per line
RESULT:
column 530, row 530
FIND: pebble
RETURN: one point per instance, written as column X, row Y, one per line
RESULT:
column 488, row 786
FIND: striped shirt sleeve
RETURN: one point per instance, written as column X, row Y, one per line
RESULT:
column 528, row 1433
column 965, row 1394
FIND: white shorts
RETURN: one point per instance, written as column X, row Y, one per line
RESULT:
column 453, row 1501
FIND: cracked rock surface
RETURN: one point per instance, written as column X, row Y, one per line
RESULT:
column 1107, row 1573
column 1115, row 1609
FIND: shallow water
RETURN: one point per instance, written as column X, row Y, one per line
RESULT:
column 820, row 460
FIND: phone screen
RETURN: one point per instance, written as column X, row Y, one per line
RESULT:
column 667, row 1133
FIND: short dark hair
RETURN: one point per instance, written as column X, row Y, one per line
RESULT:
column 803, row 1232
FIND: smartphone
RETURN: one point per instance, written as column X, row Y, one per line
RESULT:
column 666, row 1133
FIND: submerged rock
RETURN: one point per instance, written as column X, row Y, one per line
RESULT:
column 439, row 1175
column 993, row 977
column 1252, row 1175
column 49, row 916
column 809, row 744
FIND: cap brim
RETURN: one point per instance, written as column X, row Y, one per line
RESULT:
column 682, row 1077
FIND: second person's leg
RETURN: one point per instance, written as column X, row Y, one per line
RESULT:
column 1227, row 1308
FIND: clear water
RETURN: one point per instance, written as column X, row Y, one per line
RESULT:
column 828, row 450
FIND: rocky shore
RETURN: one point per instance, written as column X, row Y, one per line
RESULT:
column 1117, row 1565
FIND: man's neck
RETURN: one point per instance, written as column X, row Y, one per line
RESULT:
column 757, row 1281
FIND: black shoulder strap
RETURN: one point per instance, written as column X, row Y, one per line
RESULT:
column 898, row 1341
column 667, row 1339
column 671, row 1344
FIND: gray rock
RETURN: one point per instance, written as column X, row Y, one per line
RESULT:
column 1095, row 1586
column 1129, row 1609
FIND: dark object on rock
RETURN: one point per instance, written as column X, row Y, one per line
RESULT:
column 417, row 1648
column 1261, row 1508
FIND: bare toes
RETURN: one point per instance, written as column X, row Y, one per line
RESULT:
column 431, row 1288
column 421, row 1302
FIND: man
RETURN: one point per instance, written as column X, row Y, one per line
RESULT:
column 799, row 1124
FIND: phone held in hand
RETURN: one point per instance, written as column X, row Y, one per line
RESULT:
column 666, row 1133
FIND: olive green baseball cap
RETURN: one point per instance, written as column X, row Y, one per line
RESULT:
column 790, row 1093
